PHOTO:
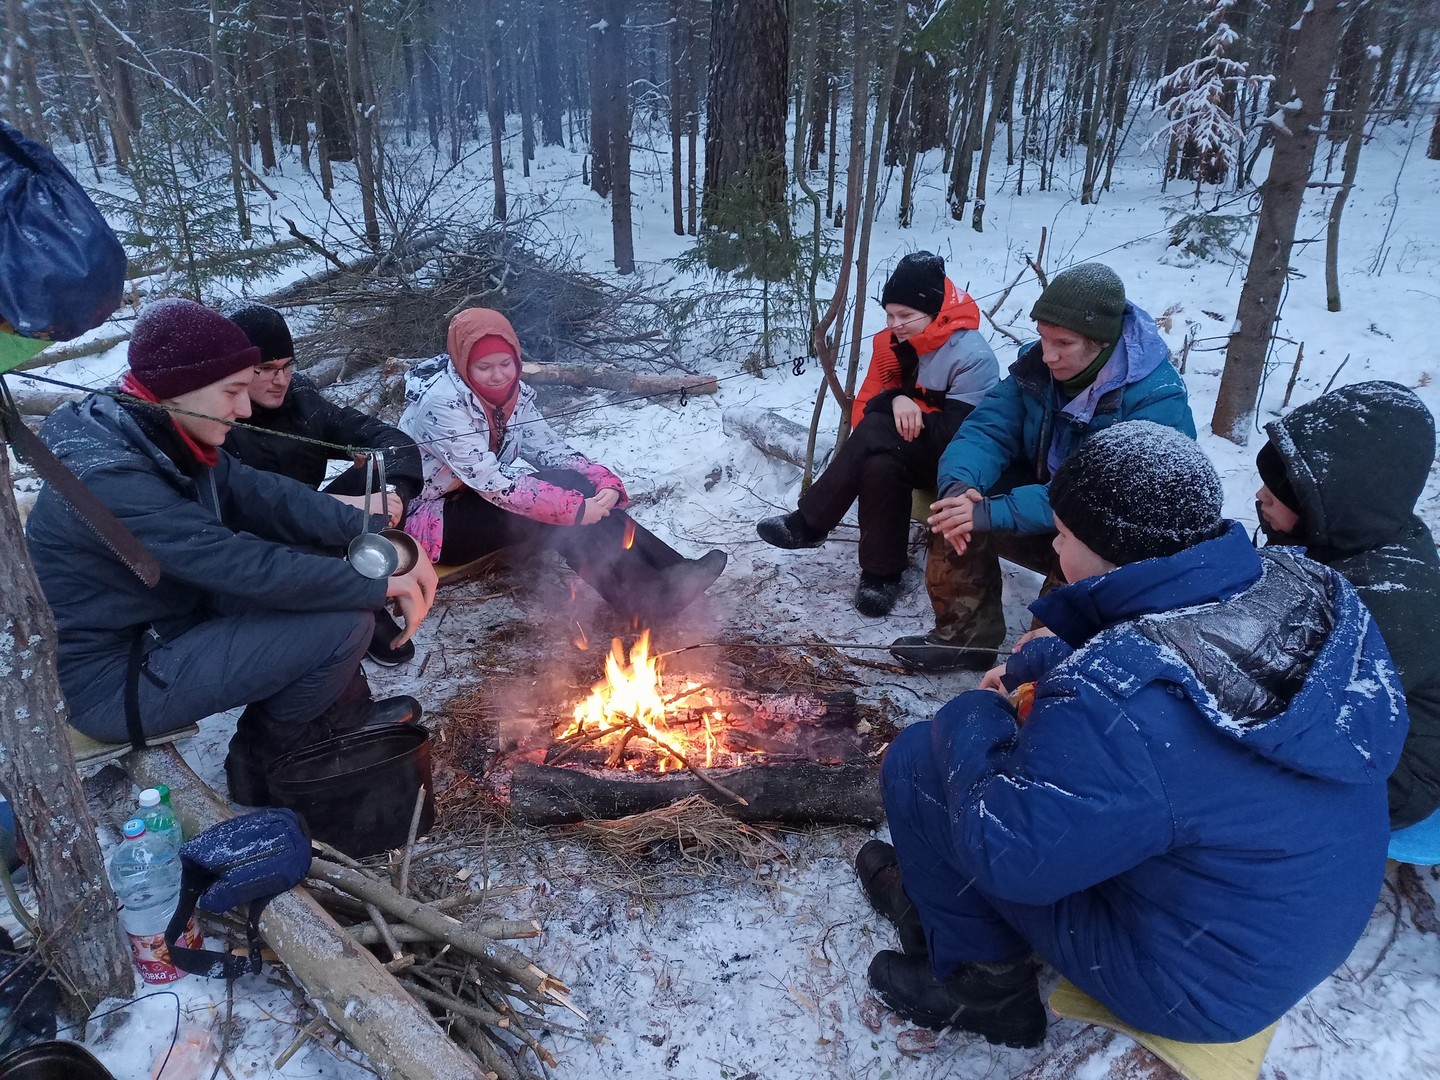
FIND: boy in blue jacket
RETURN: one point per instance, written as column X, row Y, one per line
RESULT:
column 1191, row 822
column 1100, row 360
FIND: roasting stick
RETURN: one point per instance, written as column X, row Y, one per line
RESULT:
column 815, row 645
column 695, row 770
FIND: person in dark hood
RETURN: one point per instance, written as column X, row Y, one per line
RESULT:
column 287, row 403
column 1100, row 360
column 1189, row 821
column 1340, row 477
column 245, row 613
column 929, row 368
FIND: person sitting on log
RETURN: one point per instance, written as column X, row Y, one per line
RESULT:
column 1100, row 360
column 476, row 422
column 1188, row 820
column 929, row 368
column 290, row 404
column 243, row 614
column 1340, row 477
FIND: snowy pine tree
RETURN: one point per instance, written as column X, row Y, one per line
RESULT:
column 1199, row 101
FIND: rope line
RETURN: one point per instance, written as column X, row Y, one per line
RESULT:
column 795, row 363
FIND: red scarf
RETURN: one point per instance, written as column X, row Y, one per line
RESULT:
column 205, row 455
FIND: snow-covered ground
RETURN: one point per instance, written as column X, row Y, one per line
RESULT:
column 759, row 970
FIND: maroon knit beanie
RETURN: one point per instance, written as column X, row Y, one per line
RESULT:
column 179, row 345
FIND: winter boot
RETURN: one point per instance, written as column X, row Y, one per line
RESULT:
column 1000, row 1002
column 789, row 531
column 385, row 712
column 879, row 871
column 684, row 583
column 929, row 654
column 877, row 594
column 386, row 631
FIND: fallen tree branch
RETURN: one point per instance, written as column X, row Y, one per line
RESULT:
column 375, row 1013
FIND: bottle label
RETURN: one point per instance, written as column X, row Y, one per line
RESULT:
column 152, row 957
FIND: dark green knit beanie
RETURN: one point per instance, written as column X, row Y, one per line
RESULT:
column 1089, row 299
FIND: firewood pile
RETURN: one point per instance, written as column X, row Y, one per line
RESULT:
column 401, row 304
column 447, row 945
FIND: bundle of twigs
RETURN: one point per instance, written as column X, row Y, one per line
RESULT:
column 450, row 953
column 402, row 307
column 706, row 835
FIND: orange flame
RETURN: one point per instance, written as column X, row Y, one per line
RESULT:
column 632, row 697
column 629, row 540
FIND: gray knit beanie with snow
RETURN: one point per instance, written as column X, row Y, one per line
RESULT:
column 1089, row 299
column 1138, row 490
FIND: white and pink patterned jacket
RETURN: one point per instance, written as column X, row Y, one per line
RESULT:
column 446, row 418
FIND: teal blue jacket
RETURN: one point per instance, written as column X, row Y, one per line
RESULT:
column 1023, row 422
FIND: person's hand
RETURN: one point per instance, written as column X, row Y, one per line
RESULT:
column 991, row 681
column 598, row 506
column 413, row 592
column 391, row 504
column 908, row 417
column 1031, row 635
column 954, row 518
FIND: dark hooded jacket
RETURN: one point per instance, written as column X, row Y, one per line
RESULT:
column 222, row 536
column 1358, row 459
column 306, row 411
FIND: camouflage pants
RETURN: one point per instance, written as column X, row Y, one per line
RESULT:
column 966, row 590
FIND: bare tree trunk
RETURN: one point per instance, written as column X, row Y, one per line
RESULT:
column 618, row 106
column 331, row 130
column 600, row 174
column 1312, row 54
column 259, row 100
column 224, row 95
column 525, row 79
column 494, row 106
column 1000, row 101
column 79, row 923
column 745, row 113
column 1433, row 150
column 1360, row 105
column 1094, row 144
column 364, row 111
column 678, row 75
column 550, row 86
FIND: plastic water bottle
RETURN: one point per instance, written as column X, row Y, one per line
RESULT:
column 159, row 819
column 145, row 873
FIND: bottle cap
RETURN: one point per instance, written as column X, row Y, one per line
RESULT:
column 164, row 790
column 149, row 797
column 133, row 828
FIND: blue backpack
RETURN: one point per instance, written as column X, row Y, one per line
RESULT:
column 249, row 859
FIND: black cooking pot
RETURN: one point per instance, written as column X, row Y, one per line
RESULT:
column 54, row 1059
column 357, row 792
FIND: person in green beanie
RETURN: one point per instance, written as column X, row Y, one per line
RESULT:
column 1100, row 360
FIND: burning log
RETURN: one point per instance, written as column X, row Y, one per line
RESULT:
column 798, row 793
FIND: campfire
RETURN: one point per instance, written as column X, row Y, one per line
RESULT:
column 638, row 741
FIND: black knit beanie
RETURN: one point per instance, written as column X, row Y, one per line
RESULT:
column 918, row 282
column 1138, row 490
column 1276, row 477
column 1089, row 299
column 267, row 331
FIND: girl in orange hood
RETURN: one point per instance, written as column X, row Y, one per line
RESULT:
column 497, row 475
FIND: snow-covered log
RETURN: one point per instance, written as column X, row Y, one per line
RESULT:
column 773, row 435
column 361, row 998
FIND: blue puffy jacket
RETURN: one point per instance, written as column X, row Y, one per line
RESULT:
column 1023, row 421
column 1197, row 802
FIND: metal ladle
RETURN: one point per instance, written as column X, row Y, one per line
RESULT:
column 371, row 554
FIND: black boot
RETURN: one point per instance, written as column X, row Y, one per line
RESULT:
column 246, row 764
column 676, row 587
column 385, row 712
column 386, row 631
column 1000, row 1002
column 877, row 594
column 879, row 871
column 789, row 531
column 929, row 653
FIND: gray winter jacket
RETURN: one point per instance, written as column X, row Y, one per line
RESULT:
column 222, row 537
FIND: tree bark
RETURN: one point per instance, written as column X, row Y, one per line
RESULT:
column 1360, row 105
column 1433, row 150
column 364, row 111
column 1312, row 53
column 600, row 145
column 495, row 106
column 617, row 109
column 331, row 130
column 551, row 86
column 678, row 75
column 79, row 920
column 745, row 114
